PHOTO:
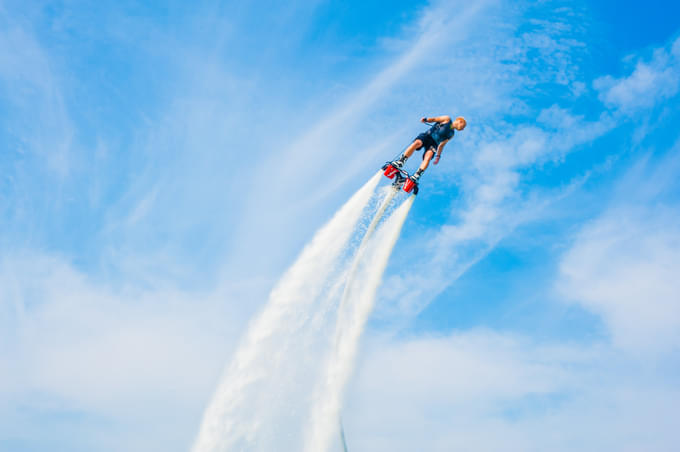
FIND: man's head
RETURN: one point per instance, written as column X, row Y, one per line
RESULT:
column 459, row 123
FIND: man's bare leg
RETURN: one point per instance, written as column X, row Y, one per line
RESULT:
column 426, row 160
column 423, row 166
column 408, row 152
column 412, row 148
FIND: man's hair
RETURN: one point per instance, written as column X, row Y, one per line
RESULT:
column 462, row 119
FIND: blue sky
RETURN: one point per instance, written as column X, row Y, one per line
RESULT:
column 163, row 163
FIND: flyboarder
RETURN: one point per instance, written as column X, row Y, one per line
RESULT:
column 431, row 141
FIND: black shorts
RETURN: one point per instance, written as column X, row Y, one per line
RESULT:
column 428, row 143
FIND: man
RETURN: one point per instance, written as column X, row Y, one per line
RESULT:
column 431, row 141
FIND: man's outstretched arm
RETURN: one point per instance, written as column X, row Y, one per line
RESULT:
column 440, row 119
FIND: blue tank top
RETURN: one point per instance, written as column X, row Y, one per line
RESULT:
column 441, row 132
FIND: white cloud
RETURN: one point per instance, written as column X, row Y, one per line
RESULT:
column 128, row 356
column 486, row 391
column 624, row 267
column 650, row 82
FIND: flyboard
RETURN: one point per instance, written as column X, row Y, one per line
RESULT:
column 402, row 179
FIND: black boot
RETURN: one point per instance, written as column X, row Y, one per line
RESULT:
column 417, row 175
column 399, row 163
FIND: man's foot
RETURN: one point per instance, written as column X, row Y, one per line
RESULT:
column 417, row 175
column 399, row 163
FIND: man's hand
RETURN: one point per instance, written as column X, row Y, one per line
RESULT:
column 423, row 119
column 436, row 159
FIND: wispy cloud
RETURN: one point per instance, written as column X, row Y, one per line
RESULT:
column 652, row 81
column 622, row 265
column 71, row 345
column 489, row 391
column 39, row 126
column 36, row 131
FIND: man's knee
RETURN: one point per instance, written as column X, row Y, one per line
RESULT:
column 412, row 148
